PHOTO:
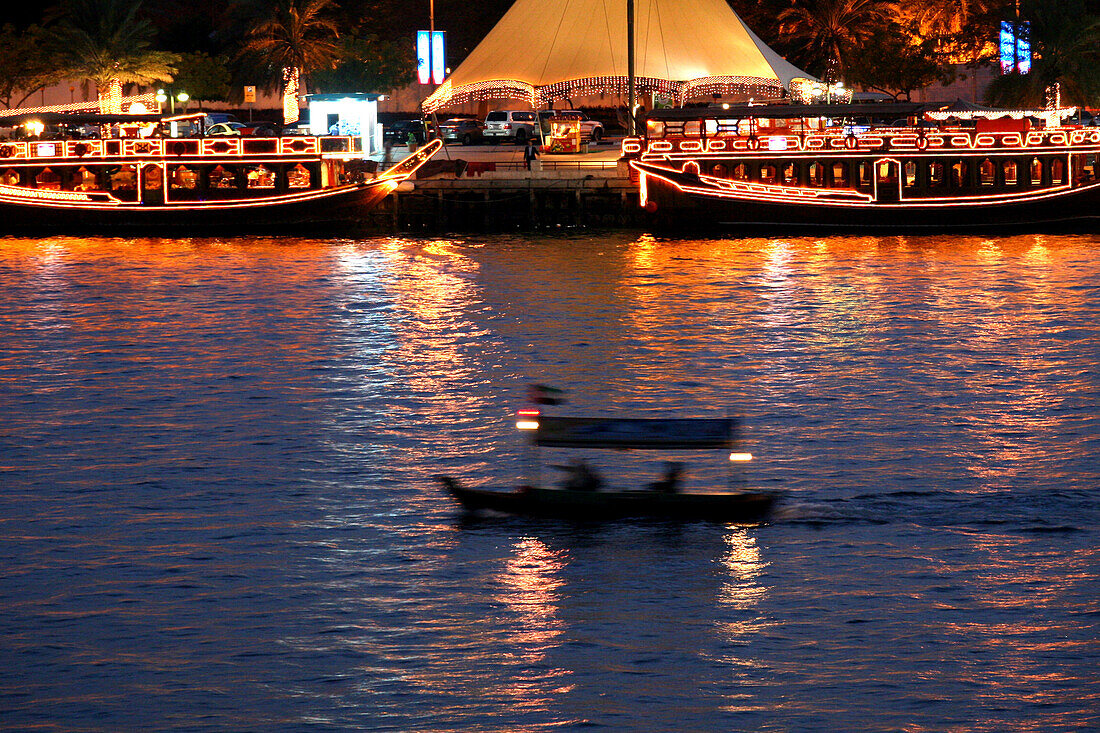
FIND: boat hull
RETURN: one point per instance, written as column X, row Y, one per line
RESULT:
column 748, row 507
column 343, row 205
column 685, row 201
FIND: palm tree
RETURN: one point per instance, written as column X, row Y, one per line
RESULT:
column 108, row 43
column 948, row 17
column 1065, row 42
column 828, row 32
column 296, row 38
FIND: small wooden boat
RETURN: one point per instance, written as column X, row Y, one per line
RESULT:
column 582, row 496
column 748, row 507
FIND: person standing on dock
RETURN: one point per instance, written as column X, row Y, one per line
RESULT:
column 531, row 152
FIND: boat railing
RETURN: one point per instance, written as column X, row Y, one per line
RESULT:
column 877, row 138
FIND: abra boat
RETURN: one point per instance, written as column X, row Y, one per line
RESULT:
column 660, row 501
column 192, row 183
column 833, row 166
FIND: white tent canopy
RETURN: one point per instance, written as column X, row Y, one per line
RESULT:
column 551, row 49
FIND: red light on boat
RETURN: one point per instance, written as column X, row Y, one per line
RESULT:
column 528, row 413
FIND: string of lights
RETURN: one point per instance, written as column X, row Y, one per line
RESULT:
column 447, row 94
column 149, row 101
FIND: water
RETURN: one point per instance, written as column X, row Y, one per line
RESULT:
column 217, row 508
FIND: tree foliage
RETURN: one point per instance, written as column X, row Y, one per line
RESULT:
column 898, row 62
column 1065, row 42
column 25, row 67
column 203, row 77
column 105, row 41
column 290, row 34
column 369, row 65
column 828, row 33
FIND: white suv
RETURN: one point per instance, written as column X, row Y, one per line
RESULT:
column 592, row 129
column 510, row 125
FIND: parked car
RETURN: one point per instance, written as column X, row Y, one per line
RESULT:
column 465, row 131
column 507, row 124
column 300, row 127
column 258, row 129
column 590, row 129
column 213, row 118
column 224, row 128
column 397, row 133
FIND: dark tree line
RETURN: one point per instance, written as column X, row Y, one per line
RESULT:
column 211, row 48
column 899, row 46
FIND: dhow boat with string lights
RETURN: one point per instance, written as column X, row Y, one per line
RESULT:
column 867, row 166
column 185, row 184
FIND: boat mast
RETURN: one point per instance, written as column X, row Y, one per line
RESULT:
column 630, row 66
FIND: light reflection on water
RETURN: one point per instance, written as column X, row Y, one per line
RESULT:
column 218, row 513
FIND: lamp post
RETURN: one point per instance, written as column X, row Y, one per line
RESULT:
column 163, row 97
column 630, row 98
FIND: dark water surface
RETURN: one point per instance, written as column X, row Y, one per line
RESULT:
column 217, row 511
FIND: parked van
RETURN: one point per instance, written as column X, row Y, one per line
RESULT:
column 590, row 129
column 507, row 124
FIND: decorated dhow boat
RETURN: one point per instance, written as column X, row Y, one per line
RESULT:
column 583, row 494
column 865, row 166
column 186, row 184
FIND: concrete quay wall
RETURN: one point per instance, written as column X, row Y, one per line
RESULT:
column 503, row 199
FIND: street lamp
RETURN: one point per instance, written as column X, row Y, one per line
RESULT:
column 162, row 97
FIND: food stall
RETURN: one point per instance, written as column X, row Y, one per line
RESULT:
column 565, row 135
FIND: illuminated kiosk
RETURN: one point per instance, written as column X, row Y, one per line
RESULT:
column 544, row 50
column 186, row 184
column 869, row 166
column 565, row 135
column 354, row 114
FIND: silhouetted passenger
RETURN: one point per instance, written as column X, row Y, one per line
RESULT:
column 670, row 482
column 582, row 478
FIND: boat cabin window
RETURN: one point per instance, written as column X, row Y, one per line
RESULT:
column 960, row 174
column 1008, row 169
column 184, row 178
column 910, row 177
column 123, row 181
column 718, row 171
column 866, row 174
column 85, row 180
column 767, row 173
column 840, row 175
column 260, row 176
column 692, row 128
column 1036, row 172
column 48, row 179
column 935, row 174
column 740, row 172
column 655, row 128
column 987, row 172
column 10, row 177
column 222, row 178
column 152, row 178
column 817, row 174
column 790, row 173
column 298, row 177
column 1057, row 172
